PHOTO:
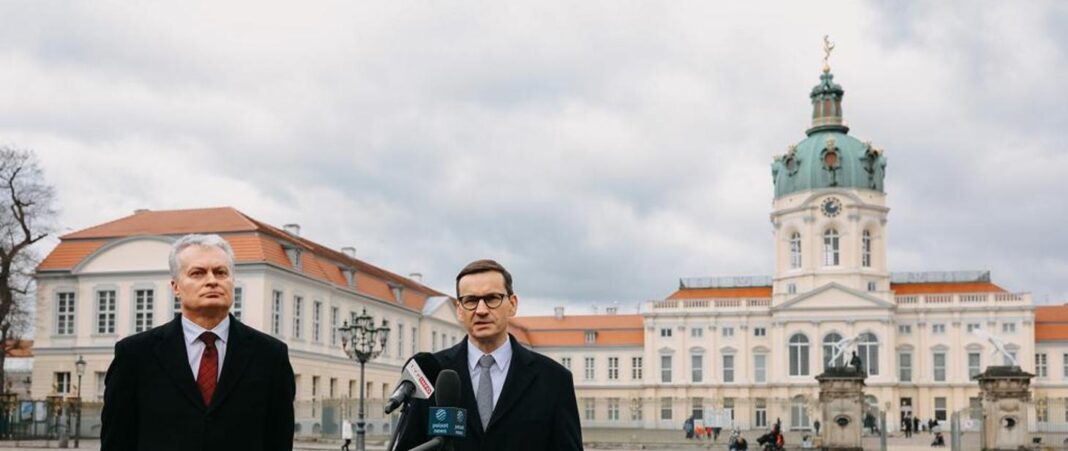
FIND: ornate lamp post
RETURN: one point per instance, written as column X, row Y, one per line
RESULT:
column 362, row 341
column 79, row 367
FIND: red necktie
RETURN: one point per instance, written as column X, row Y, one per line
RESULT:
column 209, row 367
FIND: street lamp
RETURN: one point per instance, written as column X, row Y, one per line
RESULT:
column 79, row 367
column 362, row 341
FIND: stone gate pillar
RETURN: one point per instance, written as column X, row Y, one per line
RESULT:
column 842, row 405
column 1006, row 391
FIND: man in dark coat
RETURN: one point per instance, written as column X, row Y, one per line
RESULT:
column 203, row 381
column 516, row 399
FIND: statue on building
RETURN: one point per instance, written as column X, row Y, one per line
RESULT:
column 856, row 363
column 999, row 346
column 841, row 346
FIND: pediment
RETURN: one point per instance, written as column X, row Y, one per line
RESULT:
column 834, row 297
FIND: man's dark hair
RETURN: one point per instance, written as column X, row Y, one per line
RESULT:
column 486, row 265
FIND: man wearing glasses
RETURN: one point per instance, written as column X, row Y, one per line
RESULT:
column 516, row 399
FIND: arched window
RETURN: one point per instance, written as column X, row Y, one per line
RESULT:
column 828, row 351
column 865, row 246
column 830, row 247
column 868, row 351
column 795, row 250
column 798, row 355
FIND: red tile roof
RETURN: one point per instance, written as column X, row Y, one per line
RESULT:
column 947, row 287
column 721, row 293
column 22, row 348
column 252, row 240
column 1051, row 323
column 612, row 330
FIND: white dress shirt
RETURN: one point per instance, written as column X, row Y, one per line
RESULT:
column 502, row 357
column 194, row 348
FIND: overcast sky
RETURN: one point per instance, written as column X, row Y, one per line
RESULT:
column 600, row 150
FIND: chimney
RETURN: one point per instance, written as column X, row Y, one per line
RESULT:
column 292, row 229
column 558, row 312
column 611, row 310
column 416, row 276
column 349, row 252
column 141, row 210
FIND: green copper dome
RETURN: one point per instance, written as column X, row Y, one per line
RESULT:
column 828, row 157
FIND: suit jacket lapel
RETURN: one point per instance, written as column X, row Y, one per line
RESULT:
column 520, row 375
column 171, row 353
column 238, row 354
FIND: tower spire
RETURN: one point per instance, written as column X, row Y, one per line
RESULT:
column 827, row 97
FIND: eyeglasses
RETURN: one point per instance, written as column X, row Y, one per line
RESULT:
column 492, row 300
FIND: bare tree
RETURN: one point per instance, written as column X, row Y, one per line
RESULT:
column 26, row 216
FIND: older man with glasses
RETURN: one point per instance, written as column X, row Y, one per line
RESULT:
column 516, row 399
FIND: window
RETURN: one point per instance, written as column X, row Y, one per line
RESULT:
column 798, row 355
column 1064, row 369
column 795, row 250
column 276, row 312
column 176, row 305
column 904, row 367
column 865, row 254
column 298, row 309
column 400, row 339
column 315, row 386
column 728, row 408
column 728, row 331
column 868, row 351
column 62, row 381
column 904, row 329
column 798, row 413
column 697, row 408
column 1008, row 328
column 415, row 342
column 589, row 368
column 105, row 312
column 239, row 302
column 940, row 408
column 317, row 308
column 760, row 331
column 1041, row 365
column 728, row 368
column 142, row 310
column 872, row 286
column 791, row 288
column 829, row 342
column 697, row 332
column 938, row 329
column 613, row 409
column 665, row 332
column 333, row 388
column 760, row 368
column 566, row 362
column 636, row 409
column 334, row 313
column 974, row 361
column 1041, row 412
column 589, row 408
column 665, row 369
column 1007, row 360
column 636, row 368
column 830, row 247
column 613, row 368
column 665, row 408
column 101, row 377
column 939, row 366
column 591, row 336
column 697, row 363
column 972, row 327
column 434, row 340
column 760, row 419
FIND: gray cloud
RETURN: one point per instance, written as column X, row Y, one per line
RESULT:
column 601, row 150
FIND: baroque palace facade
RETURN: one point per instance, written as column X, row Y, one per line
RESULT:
column 738, row 350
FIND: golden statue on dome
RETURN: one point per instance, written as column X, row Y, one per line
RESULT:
column 827, row 47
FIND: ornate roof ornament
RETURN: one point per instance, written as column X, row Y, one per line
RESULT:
column 828, row 46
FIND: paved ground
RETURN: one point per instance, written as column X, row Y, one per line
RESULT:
column 614, row 439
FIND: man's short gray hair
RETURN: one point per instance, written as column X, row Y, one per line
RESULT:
column 198, row 240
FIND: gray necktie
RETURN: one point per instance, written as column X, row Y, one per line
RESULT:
column 484, row 397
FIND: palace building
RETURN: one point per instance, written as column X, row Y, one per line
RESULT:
column 733, row 351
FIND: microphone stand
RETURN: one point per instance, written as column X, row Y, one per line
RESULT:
column 396, row 430
column 435, row 443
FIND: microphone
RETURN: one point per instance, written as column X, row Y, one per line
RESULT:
column 446, row 419
column 418, row 371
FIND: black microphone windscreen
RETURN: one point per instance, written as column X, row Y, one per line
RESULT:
column 447, row 389
column 427, row 363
